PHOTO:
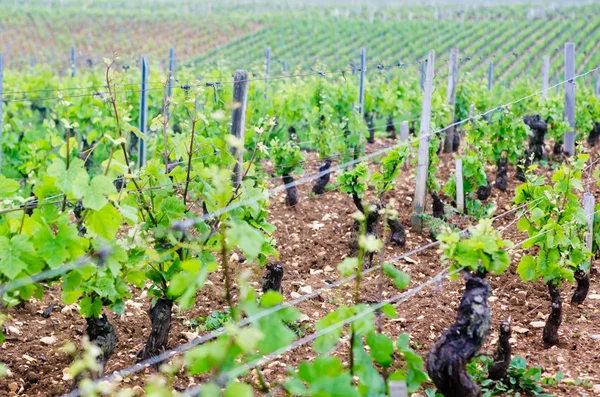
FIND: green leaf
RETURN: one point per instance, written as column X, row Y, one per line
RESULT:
column 400, row 279
column 389, row 311
column 527, row 268
column 105, row 222
column 90, row 308
column 7, row 187
column 100, row 187
column 248, row 338
column 238, row 390
column 247, row 238
column 382, row 349
column 348, row 266
column 74, row 181
column 14, row 252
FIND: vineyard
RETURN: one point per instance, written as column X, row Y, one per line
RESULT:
column 298, row 199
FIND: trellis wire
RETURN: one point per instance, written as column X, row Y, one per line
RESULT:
column 187, row 346
column 264, row 195
column 398, row 299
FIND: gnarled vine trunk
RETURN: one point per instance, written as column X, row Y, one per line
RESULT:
column 319, row 187
column 536, row 142
column 503, row 353
column 160, row 316
column 583, row 286
column 484, row 191
column 397, row 233
column 437, row 206
column 594, row 134
column 550, row 333
column 446, row 363
column 273, row 279
column 501, row 176
column 390, row 128
column 291, row 198
column 371, row 126
column 101, row 333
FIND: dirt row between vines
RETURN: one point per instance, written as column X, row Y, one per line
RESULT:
column 312, row 239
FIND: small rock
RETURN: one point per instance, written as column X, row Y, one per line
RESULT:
column 303, row 318
column 513, row 301
column 537, row 324
column 67, row 375
column 594, row 296
column 14, row 330
column 595, row 337
column 492, row 299
column 520, row 330
column 596, row 389
column 190, row 336
column 409, row 260
column 9, row 373
column 328, row 269
column 305, row 290
column 560, row 359
column 28, row 358
column 315, row 271
column 134, row 304
column 522, row 294
column 48, row 340
column 295, row 295
column 234, row 257
column 13, row 386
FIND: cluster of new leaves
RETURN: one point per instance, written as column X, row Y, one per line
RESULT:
column 357, row 181
column 483, row 251
column 287, row 158
column 555, row 224
column 500, row 136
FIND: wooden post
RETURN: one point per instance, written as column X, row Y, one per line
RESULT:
column 545, row 75
column 452, row 83
column 171, row 68
column 423, row 155
column 490, row 75
column 73, row 62
column 597, row 86
column 1, row 102
column 460, row 193
column 238, row 120
column 143, row 120
column 398, row 388
column 361, row 86
column 422, row 75
column 404, row 130
column 267, row 70
column 569, row 140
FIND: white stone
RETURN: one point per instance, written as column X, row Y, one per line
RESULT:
column 295, row 295
column 303, row 318
column 537, row 324
column 14, row 330
column 594, row 296
column 305, row 290
column 48, row 340
column 328, row 269
column 520, row 330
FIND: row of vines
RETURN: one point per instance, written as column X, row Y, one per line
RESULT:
column 75, row 208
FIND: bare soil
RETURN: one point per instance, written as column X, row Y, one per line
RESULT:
column 312, row 239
